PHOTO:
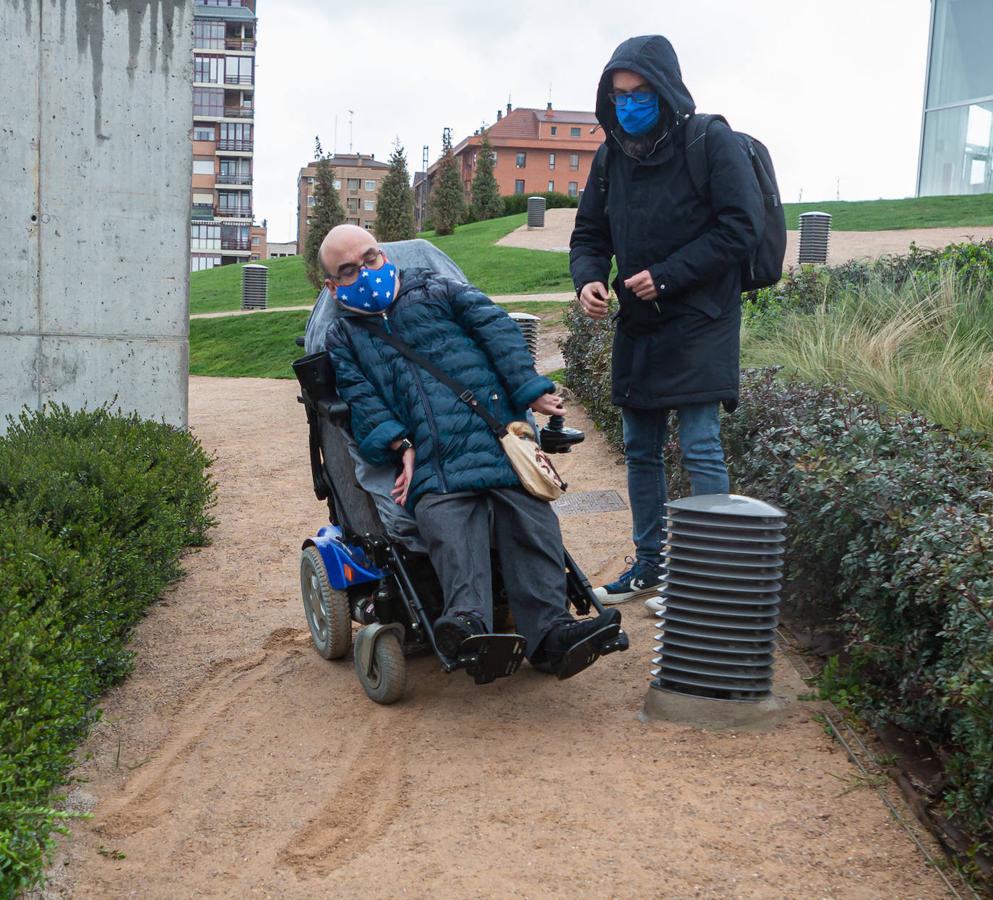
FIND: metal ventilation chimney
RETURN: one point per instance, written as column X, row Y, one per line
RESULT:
column 529, row 328
column 536, row 212
column 815, row 231
column 254, row 287
column 720, row 594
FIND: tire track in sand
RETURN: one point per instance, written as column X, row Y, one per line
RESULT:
column 361, row 809
column 147, row 797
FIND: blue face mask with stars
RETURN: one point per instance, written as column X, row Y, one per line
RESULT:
column 372, row 292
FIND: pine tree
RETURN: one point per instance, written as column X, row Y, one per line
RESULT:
column 486, row 200
column 326, row 213
column 446, row 205
column 395, row 204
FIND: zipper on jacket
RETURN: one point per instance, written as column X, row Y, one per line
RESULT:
column 428, row 412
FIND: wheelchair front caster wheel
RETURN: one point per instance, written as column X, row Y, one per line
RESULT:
column 327, row 610
column 387, row 680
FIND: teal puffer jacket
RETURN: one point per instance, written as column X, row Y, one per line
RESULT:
column 460, row 330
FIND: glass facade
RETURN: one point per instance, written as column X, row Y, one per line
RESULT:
column 957, row 138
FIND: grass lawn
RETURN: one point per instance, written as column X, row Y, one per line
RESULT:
column 263, row 345
column 883, row 215
column 219, row 289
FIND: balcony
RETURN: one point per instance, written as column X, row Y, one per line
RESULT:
column 239, row 79
column 236, row 146
column 236, row 243
column 238, row 112
column 234, row 212
column 246, row 44
column 203, row 211
column 233, row 178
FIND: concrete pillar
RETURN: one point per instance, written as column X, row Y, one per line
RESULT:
column 95, row 160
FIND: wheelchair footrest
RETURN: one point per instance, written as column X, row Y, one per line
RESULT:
column 487, row 657
column 582, row 655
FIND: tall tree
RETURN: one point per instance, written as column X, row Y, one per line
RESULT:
column 486, row 200
column 446, row 205
column 395, row 204
column 326, row 212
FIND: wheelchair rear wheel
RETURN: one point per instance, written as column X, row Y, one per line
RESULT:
column 327, row 609
column 388, row 679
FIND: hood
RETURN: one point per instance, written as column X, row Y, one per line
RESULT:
column 652, row 57
column 410, row 279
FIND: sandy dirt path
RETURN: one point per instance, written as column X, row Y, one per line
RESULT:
column 843, row 245
column 235, row 762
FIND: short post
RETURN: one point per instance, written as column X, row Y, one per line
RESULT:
column 254, row 287
column 815, row 232
column 536, row 212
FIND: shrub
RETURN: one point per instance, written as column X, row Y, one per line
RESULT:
column 95, row 509
column 891, row 532
column 518, row 203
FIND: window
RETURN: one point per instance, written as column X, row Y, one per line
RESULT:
column 551, row 186
column 573, row 188
column 204, row 198
column 208, row 34
column 353, row 184
column 370, row 186
column 551, row 160
column 336, row 183
column 234, row 237
column 235, row 171
column 204, row 133
column 207, row 69
column 235, row 136
column 208, row 101
column 369, row 205
column 203, row 167
column 519, row 186
column 234, row 203
column 353, row 204
column 352, row 221
column 238, row 70
column 311, row 200
column 256, row 241
column 522, row 160
column 959, row 68
column 205, row 237
column 574, row 161
column 574, row 132
column 199, row 263
column 555, row 130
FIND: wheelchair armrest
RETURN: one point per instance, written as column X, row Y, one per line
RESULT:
column 335, row 411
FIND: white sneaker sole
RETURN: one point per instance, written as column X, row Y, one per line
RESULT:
column 655, row 604
column 615, row 599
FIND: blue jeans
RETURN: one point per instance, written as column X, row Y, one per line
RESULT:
column 644, row 444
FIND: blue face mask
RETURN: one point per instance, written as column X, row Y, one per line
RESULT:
column 638, row 118
column 372, row 292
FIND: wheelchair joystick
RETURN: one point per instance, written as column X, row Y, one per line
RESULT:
column 556, row 438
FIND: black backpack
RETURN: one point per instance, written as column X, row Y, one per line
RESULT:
column 764, row 267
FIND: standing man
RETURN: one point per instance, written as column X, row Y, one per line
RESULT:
column 678, row 281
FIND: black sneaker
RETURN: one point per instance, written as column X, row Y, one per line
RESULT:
column 451, row 631
column 556, row 647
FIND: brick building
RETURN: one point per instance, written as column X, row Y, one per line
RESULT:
column 223, row 132
column 357, row 178
column 536, row 150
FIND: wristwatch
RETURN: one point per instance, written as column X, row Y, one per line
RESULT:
column 405, row 445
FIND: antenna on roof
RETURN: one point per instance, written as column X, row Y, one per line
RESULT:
column 351, row 113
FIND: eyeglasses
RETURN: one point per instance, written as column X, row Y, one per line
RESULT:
column 349, row 273
column 639, row 97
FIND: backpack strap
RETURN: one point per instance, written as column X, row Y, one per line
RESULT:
column 696, row 152
column 601, row 168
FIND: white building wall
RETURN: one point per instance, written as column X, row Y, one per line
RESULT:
column 95, row 164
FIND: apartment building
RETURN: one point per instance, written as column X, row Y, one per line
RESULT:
column 357, row 178
column 534, row 150
column 224, row 39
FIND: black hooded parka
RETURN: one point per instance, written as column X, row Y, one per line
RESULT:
column 683, row 347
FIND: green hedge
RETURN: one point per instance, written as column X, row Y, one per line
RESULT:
column 891, row 537
column 518, row 203
column 95, row 509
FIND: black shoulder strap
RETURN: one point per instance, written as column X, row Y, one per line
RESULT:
column 601, row 167
column 463, row 393
column 696, row 152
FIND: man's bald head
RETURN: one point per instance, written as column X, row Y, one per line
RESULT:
column 344, row 245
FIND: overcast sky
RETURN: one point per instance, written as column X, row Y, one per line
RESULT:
column 833, row 87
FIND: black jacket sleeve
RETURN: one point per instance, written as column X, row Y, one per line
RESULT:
column 590, row 247
column 736, row 200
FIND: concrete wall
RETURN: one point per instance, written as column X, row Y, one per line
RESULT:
column 95, row 167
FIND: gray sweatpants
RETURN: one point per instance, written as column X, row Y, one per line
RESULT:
column 525, row 531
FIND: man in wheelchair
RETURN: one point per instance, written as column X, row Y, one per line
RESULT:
column 453, row 473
